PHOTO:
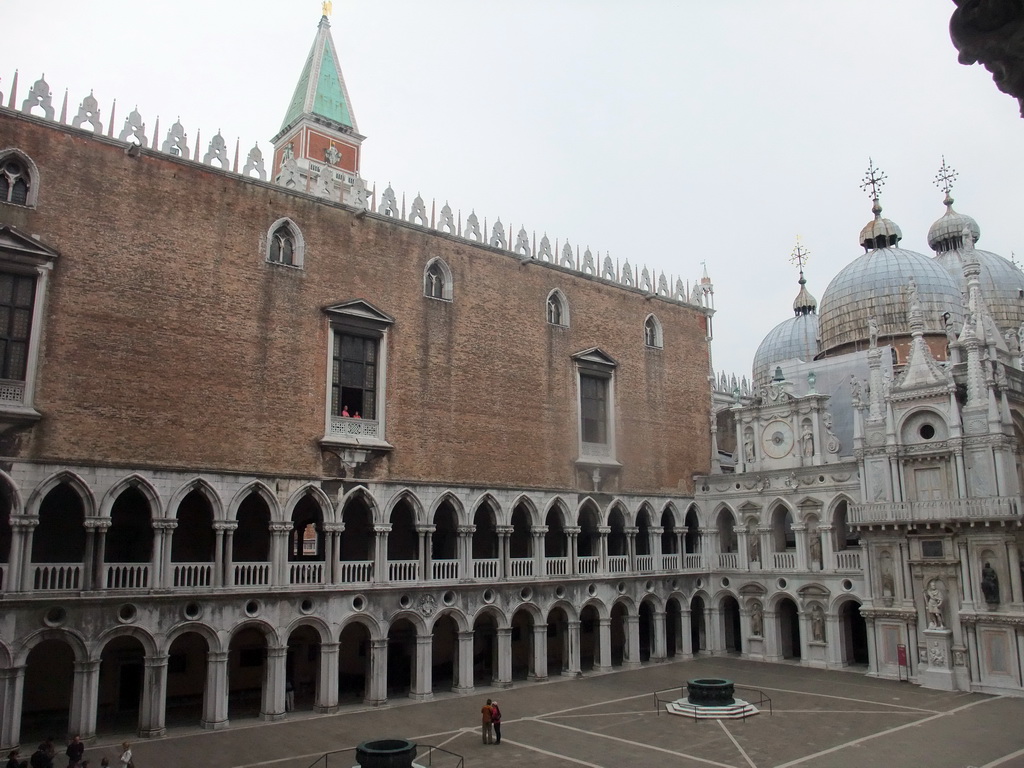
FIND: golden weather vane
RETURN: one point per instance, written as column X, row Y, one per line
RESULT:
column 327, row 6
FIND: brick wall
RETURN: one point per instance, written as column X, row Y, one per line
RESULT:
column 170, row 342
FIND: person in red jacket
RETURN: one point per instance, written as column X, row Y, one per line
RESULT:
column 496, row 722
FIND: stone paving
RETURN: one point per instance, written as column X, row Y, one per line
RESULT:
column 820, row 719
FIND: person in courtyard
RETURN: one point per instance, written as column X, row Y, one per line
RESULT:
column 496, row 721
column 126, row 755
column 75, row 751
column 487, row 728
column 14, row 760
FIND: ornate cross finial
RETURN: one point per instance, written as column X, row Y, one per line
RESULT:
column 327, row 7
column 800, row 255
column 874, row 180
column 945, row 177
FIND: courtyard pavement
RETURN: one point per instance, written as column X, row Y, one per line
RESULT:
column 820, row 720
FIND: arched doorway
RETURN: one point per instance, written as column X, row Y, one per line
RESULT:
column 853, row 633
column 789, row 628
column 302, row 669
column 186, row 680
column 48, row 689
column 698, row 630
column 522, row 644
column 590, row 638
column 121, row 680
column 558, row 630
column 353, row 663
column 646, row 629
column 485, row 649
column 247, row 662
column 444, row 654
column 732, row 633
column 618, row 633
column 401, row 657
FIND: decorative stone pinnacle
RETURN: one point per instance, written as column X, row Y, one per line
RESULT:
column 944, row 180
column 873, row 182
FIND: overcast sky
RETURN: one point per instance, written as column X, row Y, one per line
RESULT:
column 665, row 132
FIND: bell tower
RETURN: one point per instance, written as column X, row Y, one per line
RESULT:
column 317, row 149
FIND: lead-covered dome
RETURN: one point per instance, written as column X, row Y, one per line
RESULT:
column 874, row 286
column 1002, row 283
column 796, row 337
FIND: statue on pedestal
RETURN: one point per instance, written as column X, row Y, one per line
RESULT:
column 933, row 605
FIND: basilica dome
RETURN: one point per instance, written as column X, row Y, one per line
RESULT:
column 1002, row 283
column 796, row 337
column 875, row 284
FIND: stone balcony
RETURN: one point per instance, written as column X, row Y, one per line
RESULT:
column 944, row 510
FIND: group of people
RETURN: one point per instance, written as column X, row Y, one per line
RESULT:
column 491, row 722
column 44, row 756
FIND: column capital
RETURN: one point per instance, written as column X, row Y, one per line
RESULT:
column 219, row 657
column 469, row 635
column 425, row 528
column 157, row 660
column 334, row 527
column 226, row 525
column 382, row 528
column 538, row 530
column 23, row 522
column 631, row 530
column 465, row 529
column 604, row 530
column 280, row 527
column 98, row 523
column 572, row 530
column 504, row 530
column 504, row 631
column 277, row 651
column 329, row 647
column 166, row 524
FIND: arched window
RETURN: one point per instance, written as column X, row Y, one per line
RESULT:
column 17, row 179
column 437, row 280
column 285, row 244
column 558, row 309
column 652, row 332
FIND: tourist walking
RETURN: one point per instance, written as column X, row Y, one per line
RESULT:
column 496, row 721
column 487, row 729
column 126, row 755
column 75, row 751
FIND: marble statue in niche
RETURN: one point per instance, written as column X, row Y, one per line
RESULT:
column 933, row 601
column 818, row 624
column 756, row 620
column 990, row 584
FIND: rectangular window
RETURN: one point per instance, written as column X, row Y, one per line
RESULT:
column 17, row 294
column 594, row 408
column 354, row 377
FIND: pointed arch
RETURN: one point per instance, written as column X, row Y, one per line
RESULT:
column 653, row 338
column 456, row 505
column 361, row 493
column 531, row 508
column 557, row 312
column 262, row 490
column 437, row 280
column 407, row 495
column 285, row 244
column 316, row 493
column 205, row 489
column 557, row 506
column 63, row 477
column 19, row 178
column 487, row 499
column 136, row 482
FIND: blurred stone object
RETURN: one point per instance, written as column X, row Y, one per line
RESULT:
column 991, row 33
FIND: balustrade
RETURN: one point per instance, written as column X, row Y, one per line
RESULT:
column 57, row 576
column 486, row 568
column 355, row 571
column 556, row 566
column 445, row 570
column 255, row 574
column 618, row 563
column 126, row 575
column 521, row 567
column 693, row 561
column 784, row 561
column 192, row 575
column 728, row 560
column 999, row 507
column 645, row 563
column 403, row 570
column 588, row 565
column 306, row 573
column 848, row 560
column 670, row 562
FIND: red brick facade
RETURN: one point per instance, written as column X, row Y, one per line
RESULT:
column 170, row 341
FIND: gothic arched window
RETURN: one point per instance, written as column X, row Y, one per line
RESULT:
column 652, row 332
column 17, row 179
column 437, row 280
column 285, row 244
column 558, row 309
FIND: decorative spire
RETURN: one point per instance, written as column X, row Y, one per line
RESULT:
column 327, row 7
column 805, row 303
column 944, row 180
column 879, row 233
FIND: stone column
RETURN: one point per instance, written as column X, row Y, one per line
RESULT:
column 631, row 533
column 966, row 577
column 767, row 548
column 539, row 555
column 101, row 553
column 658, row 639
column 85, row 699
column 713, row 630
column 273, row 706
column 327, row 684
column 423, row 671
column 603, row 657
column 869, row 627
column 217, row 577
column 540, row 652
column 602, row 548
column 801, row 547
column 572, row 640
column 154, row 697
column 803, row 618
column 465, row 533
column 88, row 558
column 504, row 551
column 685, row 634
column 229, row 553
column 654, row 546
column 828, row 559
column 972, row 651
column 215, row 697
column 426, row 533
column 504, row 666
column 771, row 636
column 632, row 650
column 380, row 553
column 377, row 685
column 1013, row 563
column 742, row 547
column 573, row 532
column 162, row 560
column 20, row 559
column 332, row 552
column 464, row 662
column 710, row 546
column 279, row 576
column 12, row 691
column 834, row 640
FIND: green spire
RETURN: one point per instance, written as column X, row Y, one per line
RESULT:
column 321, row 88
